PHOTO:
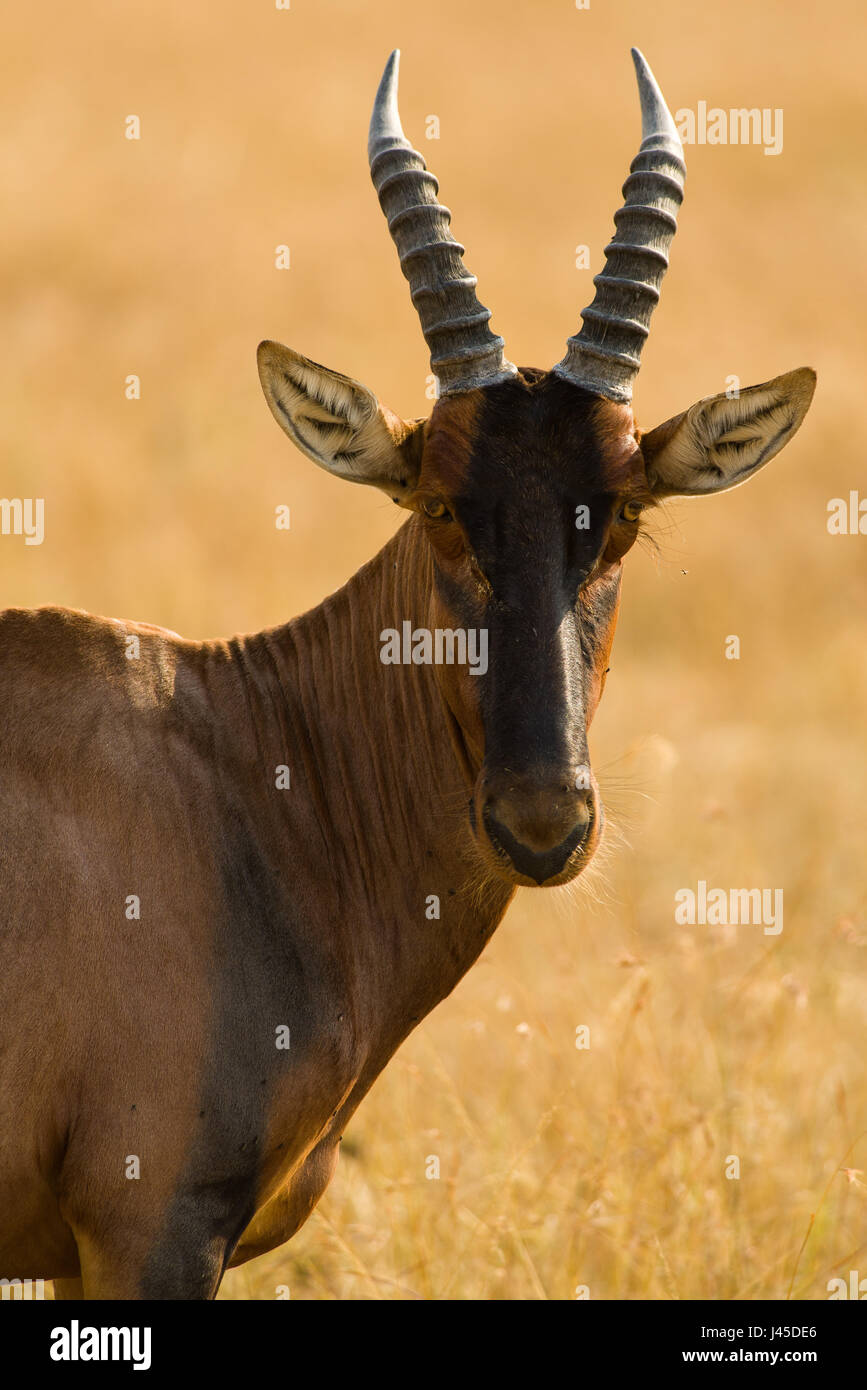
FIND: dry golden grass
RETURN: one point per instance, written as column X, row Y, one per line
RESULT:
column 559, row 1167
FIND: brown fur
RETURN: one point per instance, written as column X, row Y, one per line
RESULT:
column 156, row 1037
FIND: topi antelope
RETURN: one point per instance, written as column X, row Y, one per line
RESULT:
column 216, row 857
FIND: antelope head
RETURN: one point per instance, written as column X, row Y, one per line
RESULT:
column 528, row 486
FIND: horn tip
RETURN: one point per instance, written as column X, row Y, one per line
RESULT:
column 642, row 68
column 385, row 127
column 656, row 119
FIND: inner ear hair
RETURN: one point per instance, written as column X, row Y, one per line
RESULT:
column 339, row 423
column 723, row 440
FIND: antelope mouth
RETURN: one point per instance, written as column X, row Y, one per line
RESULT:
column 528, row 868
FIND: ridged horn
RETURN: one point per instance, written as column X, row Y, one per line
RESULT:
column 464, row 353
column 605, row 356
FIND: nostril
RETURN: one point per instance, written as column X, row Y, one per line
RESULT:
column 584, row 820
column 539, row 853
column 537, row 819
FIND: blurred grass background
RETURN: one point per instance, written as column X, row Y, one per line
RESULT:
column 559, row 1168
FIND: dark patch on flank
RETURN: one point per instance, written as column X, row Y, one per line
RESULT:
column 252, row 959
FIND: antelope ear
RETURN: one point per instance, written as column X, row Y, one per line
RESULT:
column 339, row 424
column 721, row 441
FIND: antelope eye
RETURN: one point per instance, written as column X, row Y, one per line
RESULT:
column 436, row 510
column 630, row 511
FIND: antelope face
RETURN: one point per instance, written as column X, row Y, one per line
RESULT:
column 529, row 494
column 528, row 487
